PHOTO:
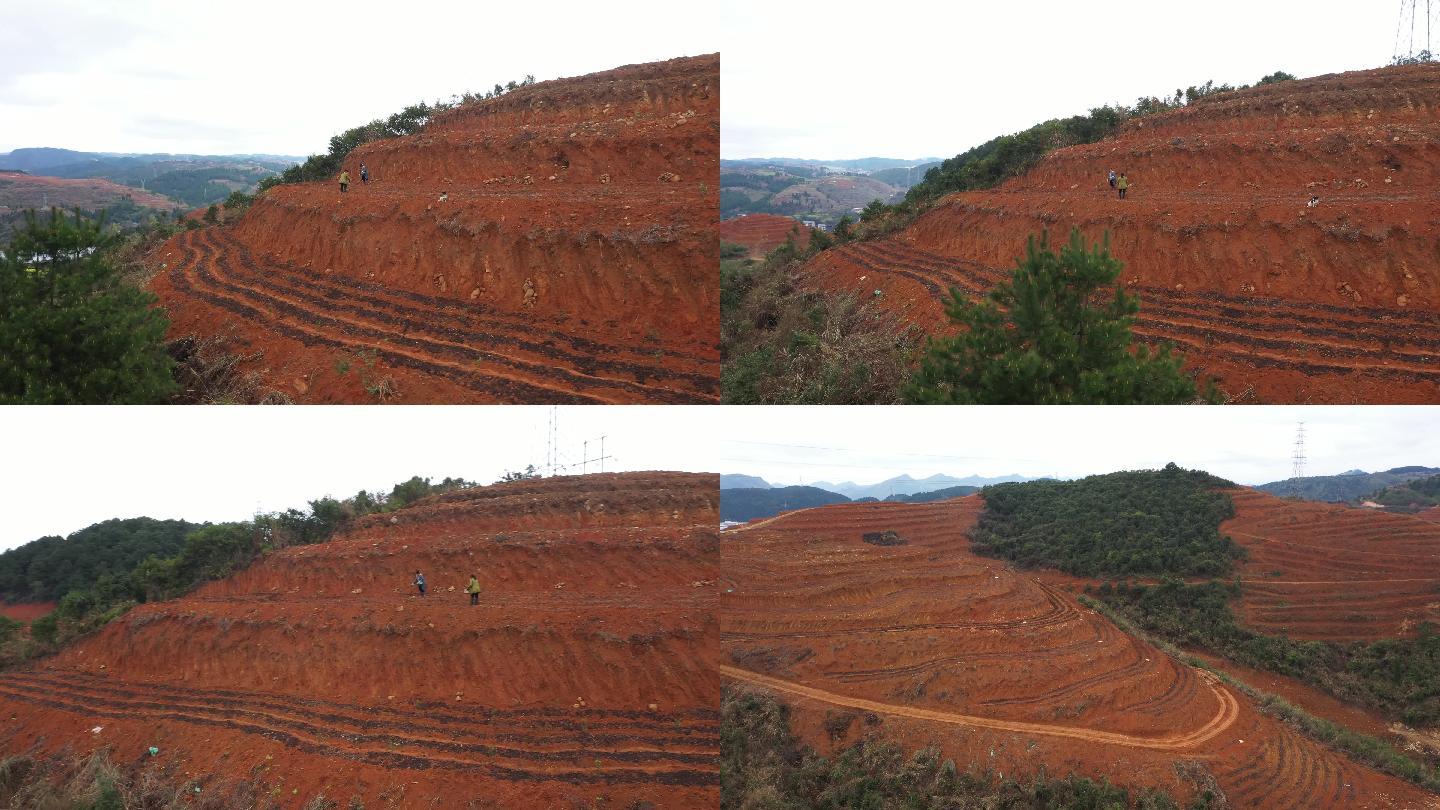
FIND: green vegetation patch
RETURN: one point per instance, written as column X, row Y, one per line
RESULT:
column 45, row 570
column 1149, row 522
column 71, row 330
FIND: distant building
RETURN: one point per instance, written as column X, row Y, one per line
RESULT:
column 809, row 223
column 820, row 226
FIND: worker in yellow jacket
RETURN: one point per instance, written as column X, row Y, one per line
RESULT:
column 474, row 590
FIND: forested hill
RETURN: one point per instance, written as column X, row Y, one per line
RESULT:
column 1411, row 496
column 1347, row 486
column 1145, row 523
column 47, row 569
column 751, row 503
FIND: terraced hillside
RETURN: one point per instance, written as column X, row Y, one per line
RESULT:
column 556, row 244
column 762, row 233
column 1281, row 302
column 1327, row 571
column 925, row 642
column 587, row 669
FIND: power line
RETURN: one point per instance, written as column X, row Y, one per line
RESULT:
column 1298, row 456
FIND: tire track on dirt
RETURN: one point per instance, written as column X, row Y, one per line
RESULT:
column 1229, row 710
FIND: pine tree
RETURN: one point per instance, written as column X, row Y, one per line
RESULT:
column 1049, row 335
column 70, row 330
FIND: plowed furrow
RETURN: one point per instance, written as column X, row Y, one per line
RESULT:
column 861, row 675
column 349, row 745
column 531, row 338
column 1384, row 327
column 595, row 727
column 423, row 306
column 1135, row 667
column 501, row 388
column 1349, row 346
column 1205, row 302
column 388, row 342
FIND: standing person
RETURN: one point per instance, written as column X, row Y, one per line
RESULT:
column 1123, row 184
column 365, row 174
column 1112, row 178
column 420, row 581
column 344, row 181
column 473, row 589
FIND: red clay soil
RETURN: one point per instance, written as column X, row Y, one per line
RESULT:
column 1329, row 571
column 573, row 259
column 1280, row 302
column 20, row 190
column 26, row 611
column 587, row 670
column 925, row 642
column 762, row 233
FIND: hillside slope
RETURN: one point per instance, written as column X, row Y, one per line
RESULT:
column 1283, row 303
column 1348, row 486
column 1326, row 571
column 572, row 258
column 925, row 642
column 587, row 669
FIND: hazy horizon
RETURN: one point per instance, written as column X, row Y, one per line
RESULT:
column 158, row 76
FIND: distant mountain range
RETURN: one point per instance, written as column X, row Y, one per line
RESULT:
column 1347, row 486
column 191, row 181
column 737, row 481
column 749, row 503
column 36, row 159
column 869, row 164
column 899, row 485
column 906, row 485
column 742, row 504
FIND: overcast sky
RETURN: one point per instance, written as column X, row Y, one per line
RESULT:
column 916, row 78
column 1248, row 445
column 281, row 77
column 69, row 467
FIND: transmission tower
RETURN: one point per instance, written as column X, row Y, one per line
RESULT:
column 1298, row 457
column 1416, row 20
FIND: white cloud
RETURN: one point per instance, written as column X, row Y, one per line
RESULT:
column 911, row 78
column 282, row 77
column 69, row 467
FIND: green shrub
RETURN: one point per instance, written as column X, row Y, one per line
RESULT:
column 1055, row 333
column 70, row 330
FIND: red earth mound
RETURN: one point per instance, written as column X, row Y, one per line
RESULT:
column 762, row 233
column 1279, row 301
column 26, row 611
column 925, row 642
column 572, row 258
column 587, row 670
column 1327, row 571
column 19, row 190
